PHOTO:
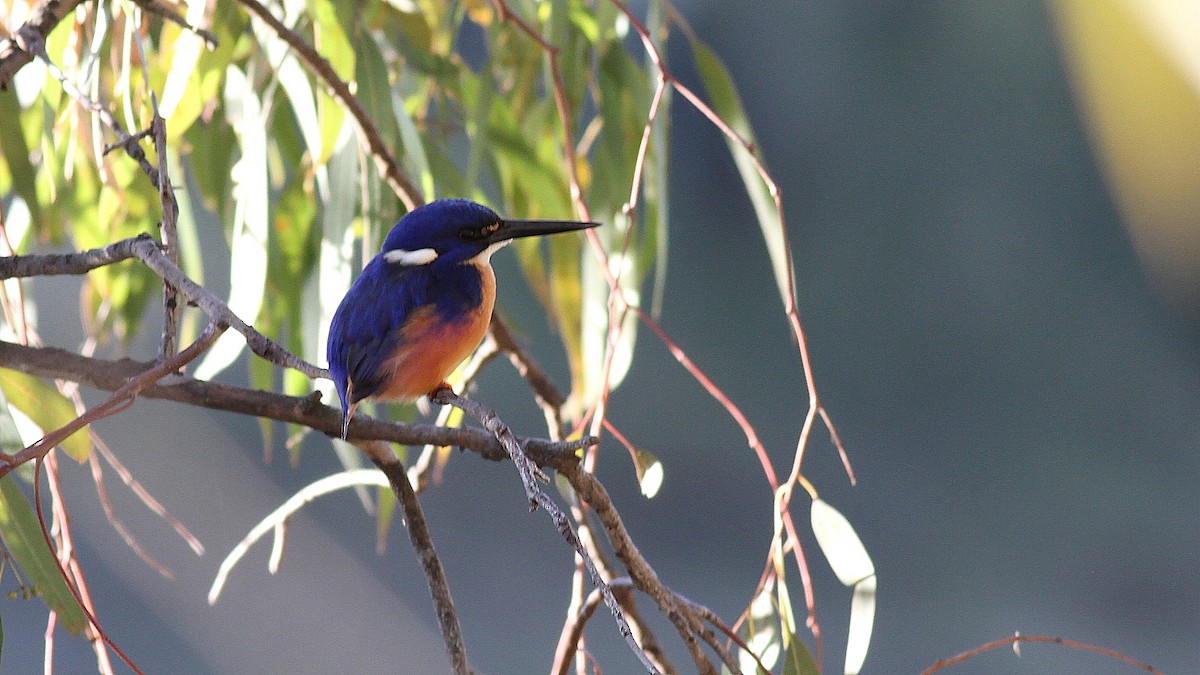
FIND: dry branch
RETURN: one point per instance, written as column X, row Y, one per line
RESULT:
column 538, row 497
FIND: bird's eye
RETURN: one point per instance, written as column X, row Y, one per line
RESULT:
column 478, row 234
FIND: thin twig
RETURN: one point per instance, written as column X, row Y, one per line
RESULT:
column 1015, row 640
column 34, row 42
column 167, row 231
column 119, row 400
column 144, row 495
column 111, row 515
column 75, row 592
column 538, row 497
column 418, row 532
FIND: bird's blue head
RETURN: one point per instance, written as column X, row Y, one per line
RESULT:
column 453, row 231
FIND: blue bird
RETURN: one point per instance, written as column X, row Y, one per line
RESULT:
column 423, row 304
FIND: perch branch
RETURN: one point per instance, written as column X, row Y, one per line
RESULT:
column 308, row 411
column 418, row 532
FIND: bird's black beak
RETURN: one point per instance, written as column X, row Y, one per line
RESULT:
column 515, row 229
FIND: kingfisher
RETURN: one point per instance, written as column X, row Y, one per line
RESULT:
column 423, row 304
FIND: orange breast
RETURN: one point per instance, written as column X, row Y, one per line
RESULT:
column 431, row 348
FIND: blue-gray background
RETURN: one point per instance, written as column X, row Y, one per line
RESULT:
column 1021, row 407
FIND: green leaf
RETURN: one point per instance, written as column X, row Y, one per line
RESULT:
column 797, row 660
column 728, row 105
column 414, row 149
column 649, row 473
column 23, row 537
column 249, row 243
column 47, row 408
column 374, row 89
column 14, row 155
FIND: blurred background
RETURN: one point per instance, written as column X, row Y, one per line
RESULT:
column 995, row 221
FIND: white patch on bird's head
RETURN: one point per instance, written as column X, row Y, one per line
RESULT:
column 484, row 257
column 421, row 256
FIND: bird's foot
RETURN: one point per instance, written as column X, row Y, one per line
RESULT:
column 441, row 394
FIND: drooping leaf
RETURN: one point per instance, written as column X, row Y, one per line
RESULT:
column 727, row 104
column 840, row 544
column 331, row 36
column 862, row 621
column 853, row 567
column 14, row 156
column 761, row 633
column 47, row 408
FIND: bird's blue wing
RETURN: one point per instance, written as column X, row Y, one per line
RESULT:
column 365, row 330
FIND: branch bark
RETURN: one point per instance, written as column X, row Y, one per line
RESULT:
column 46, row 15
column 418, row 532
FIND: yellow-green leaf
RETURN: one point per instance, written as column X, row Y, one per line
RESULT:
column 47, row 408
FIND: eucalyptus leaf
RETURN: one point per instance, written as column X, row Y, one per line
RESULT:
column 23, row 538
column 862, row 621
column 840, row 544
column 728, row 105
column 48, row 408
column 649, row 473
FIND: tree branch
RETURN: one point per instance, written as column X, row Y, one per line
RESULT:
column 418, row 532
column 145, row 248
column 45, row 16
column 122, row 397
column 538, row 497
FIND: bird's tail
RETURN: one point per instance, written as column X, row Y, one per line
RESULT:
column 347, row 408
